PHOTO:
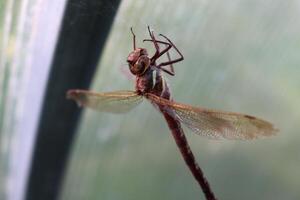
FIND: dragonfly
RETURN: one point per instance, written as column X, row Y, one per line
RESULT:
column 150, row 84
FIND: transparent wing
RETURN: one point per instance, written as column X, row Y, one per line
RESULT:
column 216, row 124
column 114, row 102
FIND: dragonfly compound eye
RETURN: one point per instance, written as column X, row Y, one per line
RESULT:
column 141, row 65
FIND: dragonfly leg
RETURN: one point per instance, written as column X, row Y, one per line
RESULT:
column 158, row 53
column 171, row 61
column 156, row 56
column 155, row 44
column 134, row 44
column 166, row 50
column 171, row 72
column 169, row 44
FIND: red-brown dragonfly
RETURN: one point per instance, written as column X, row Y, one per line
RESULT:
column 151, row 84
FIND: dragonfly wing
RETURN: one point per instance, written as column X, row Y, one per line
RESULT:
column 216, row 124
column 114, row 102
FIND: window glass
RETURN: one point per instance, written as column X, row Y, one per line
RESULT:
column 28, row 31
column 240, row 56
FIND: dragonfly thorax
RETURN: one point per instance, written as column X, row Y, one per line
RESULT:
column 152, row 81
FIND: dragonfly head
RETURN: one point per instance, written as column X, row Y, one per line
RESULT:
column 138, row 61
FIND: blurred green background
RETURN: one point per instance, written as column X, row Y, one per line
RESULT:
column 241, row 56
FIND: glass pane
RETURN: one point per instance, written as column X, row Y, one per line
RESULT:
column 240, row 56
column 27, row 40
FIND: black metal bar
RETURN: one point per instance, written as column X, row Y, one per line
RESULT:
column 84, row 29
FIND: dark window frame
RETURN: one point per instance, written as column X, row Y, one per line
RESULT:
column 80, row 43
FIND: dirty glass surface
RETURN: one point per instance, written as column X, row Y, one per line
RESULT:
column 240, row 56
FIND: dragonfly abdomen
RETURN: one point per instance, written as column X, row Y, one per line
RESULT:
column 187, row 154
